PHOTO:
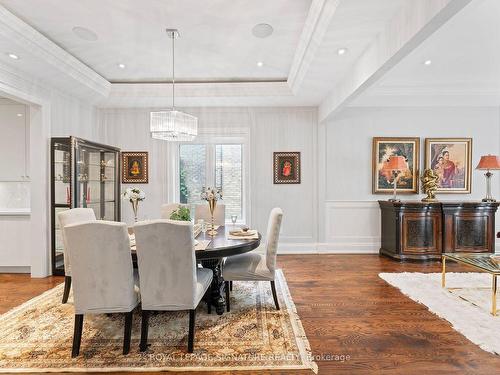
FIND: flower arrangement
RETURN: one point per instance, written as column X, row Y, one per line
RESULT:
column 208, row 194
column 134, row 196
column 211, row 195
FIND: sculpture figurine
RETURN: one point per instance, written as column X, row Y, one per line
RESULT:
column 429, row 185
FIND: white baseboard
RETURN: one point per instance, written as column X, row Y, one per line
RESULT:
column 15, row 269
column 328, row 248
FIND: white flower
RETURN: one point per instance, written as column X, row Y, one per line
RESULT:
column 133, row 194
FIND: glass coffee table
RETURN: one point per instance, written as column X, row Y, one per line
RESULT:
column 480, row 262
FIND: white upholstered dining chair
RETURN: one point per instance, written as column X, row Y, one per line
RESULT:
column 255, row 265
column 167, row 209
column 102, row 272
column 75, row 215
column 170, row 279
column 203, row 212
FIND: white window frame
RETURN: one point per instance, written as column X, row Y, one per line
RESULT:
column 212, row 137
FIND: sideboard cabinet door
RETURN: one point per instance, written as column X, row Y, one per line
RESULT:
column 469, row 227
column 421, row 233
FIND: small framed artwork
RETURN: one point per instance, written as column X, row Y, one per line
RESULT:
column 451, row 159
column 286, row 167
column 135, row 167
column 382, row 177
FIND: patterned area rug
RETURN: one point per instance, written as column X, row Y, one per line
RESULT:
column 37, row 336
column 467, row 308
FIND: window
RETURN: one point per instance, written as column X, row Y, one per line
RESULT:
column 219, row 165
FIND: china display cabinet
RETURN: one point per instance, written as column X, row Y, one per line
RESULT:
column 83, row 174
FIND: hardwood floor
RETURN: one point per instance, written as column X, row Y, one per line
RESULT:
column 346, row 309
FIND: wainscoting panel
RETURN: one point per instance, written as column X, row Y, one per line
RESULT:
column 351, row 227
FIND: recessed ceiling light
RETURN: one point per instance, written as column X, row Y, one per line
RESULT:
column 427, row 62
column 13, row 56
column 260, row 64
column 19, row 115
column 85, row 34
column 122, row 66
column 262, row 30
column 341, row 51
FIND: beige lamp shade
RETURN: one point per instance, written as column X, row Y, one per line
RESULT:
column 489, row 162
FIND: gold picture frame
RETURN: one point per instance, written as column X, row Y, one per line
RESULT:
column 451, row 159
column 382, row 149
column 135, row 166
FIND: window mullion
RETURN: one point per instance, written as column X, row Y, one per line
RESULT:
column 210, row 167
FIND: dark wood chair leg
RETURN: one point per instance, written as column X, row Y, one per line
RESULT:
column 209, row 299
column 67, row 288
column 231, row 286
column 77, row 335
column 144, row 330
column 226, row 287
column 275, row 296
column 192, row 318
column 127, row 332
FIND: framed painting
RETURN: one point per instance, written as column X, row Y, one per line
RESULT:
column 451, row 159
column 135, row 167
column 286, row 167
column 382, row 177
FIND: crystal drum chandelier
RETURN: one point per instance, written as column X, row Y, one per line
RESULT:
column 173, row 125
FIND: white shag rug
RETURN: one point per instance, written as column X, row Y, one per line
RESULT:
column 468, row 310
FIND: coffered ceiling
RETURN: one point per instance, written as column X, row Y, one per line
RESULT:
column 217, row 56
column 463, row 65
column 216, row 42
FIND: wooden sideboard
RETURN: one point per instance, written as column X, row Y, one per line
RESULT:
column 423, row 231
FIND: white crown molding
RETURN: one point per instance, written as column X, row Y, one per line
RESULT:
column 160, row 94
column 465, row 94
column 317, row 22
column 409, row 28
column 458, row 88
column 16, row 30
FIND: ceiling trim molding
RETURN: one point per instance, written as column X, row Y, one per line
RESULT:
column 14, row 29
column 316, row 25
column 451, row 90
column 411, row 26
column 133, row 94
column 194, row 90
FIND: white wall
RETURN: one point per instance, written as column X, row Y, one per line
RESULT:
column 269, row 129
column 351, row 214
column 52, row 112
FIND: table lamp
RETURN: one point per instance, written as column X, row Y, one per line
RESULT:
column 396, row 164
column 487, row 163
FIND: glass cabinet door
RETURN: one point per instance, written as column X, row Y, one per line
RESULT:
column 61, row 196
column 88, row 176
column 108, row 173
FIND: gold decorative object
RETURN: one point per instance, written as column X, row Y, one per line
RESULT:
column 430, row 185
column 212, row 203
column 211, row 195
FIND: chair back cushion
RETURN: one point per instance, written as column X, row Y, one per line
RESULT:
column 202, row 211
column 272, row 238
column 73, row 216
column 102, row 268
column 167, row 209
column 167, row 264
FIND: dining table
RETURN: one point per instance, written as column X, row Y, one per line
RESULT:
column 217, row 248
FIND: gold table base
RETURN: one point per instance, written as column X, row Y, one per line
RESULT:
column 494, row 285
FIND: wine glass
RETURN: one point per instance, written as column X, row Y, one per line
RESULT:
column 203, row 226
column 233, row 219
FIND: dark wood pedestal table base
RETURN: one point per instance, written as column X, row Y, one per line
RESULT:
column 212, row 257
